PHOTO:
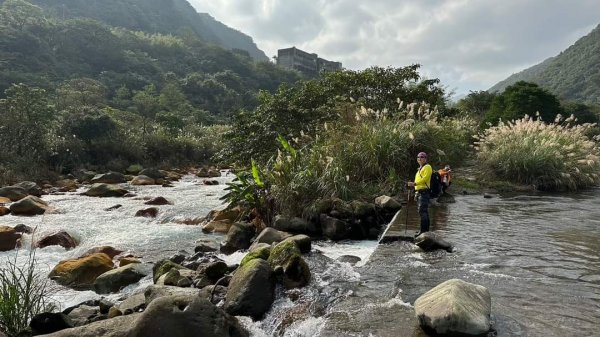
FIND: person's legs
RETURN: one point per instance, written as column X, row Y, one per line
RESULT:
column 424, row 211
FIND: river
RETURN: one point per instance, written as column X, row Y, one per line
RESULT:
column 539, row 256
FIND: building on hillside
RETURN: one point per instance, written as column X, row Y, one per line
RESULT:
column 307, row 63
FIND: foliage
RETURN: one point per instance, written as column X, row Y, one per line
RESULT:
column 476, row 104
column 367, row 155
column 548, row 155
column 303, row 108
column 523, row 98
column 24, row 293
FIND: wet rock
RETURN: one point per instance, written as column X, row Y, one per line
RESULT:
column 334, row 229
column 14, row 193
column 238, row 237
column 362, row 209
column 127, row 261
column 151, row 212
column 296, row 273
column 105, row 306
column 113, row 280
column 220, row 221
column 108, row 250
column 4, row 211
column 114, row 312
column 206, row 246
column 82, row 272
column 217, row 226
column 487, row 196
column 28, row 206
column 210, row 182
column 304, row 242
column 175, row 316
column 105, row 190
column 157, row 291
column 152, row 172
column 61, row 238
column 158, row 201
column 31, row 188
column 109, row 178
column 4, row 200
column 251, row 290
column 455, row 307
column 83, row 314
column 260, row 251
column 48, row 322
column 208, row 173
column 351, row 259
column 213, row 270
column 115, row 327
column 142, row 180
column 9, row 238
column 387, row 202
column 66, row 185
column 112, row 208
column 21, row 228
column 162, row 267
column 271, row 235
column 293, row 225
column 429, row 241
column 84, row 175
column 214, row 293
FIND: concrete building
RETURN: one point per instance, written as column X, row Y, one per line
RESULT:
column 310, row 64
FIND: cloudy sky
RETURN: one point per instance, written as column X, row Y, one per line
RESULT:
column 468, row 44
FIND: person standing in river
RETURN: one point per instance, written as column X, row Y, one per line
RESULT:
column 421, row 185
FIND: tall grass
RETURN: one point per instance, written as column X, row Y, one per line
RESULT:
column 24, row 293
column 367, row 153
column 554, row 156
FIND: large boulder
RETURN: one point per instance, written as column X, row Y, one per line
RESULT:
column 388, row 202
column 9, row 238
column 335, row 229
column 61, row 238
column 49, row 322
column 176, row 316
column 304, row 242
column 142, row 180
column 114, row 327
column 157, row 291
column 113, row 280
column 260, row 251
column 293, row 225
column 66, row 185
column 429, row 241
column 455, row 307
column 286, row 255
column 271, row 235
column 108, row 250
column 220, row 221
column 30, row 205
column 109, row 178
column 105, row 190
column 238, row 237
column 4, row 211
column 251, row 290
column 14, row 193
column 134, row 169
column 30, row 187
column 162, row 267
column 82, row 272
column 152, row 172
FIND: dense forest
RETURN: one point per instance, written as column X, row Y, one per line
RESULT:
column 97, row 87
column 574, row 74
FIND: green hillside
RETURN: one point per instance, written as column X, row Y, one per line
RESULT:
column 154, row 16
column 573, row 75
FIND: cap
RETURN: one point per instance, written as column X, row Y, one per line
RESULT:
column 447, row 167
column 422, row 154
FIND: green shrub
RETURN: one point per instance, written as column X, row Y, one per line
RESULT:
column 372, row 154
column 23, row 294
column 554, row 156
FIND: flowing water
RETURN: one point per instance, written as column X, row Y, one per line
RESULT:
column 538, row 255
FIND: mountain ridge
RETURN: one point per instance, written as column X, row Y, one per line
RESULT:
column 573, row 74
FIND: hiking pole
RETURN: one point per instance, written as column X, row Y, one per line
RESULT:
column 407, row 201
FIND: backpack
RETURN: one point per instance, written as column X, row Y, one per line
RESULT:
column 436, row 185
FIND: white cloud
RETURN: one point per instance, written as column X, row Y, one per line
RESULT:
column 468, row 44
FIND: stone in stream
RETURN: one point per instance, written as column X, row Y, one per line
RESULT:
column 351, row 259
column 108, row 250
column 293, row 225
column 82, row 272
column 388, row 202
column 142, row 180
column 112, row 208
column 4, row 211
column 158, row 201
column 61, row 238
column 150, row 212
column 286, row 255
column 48, row 322
column 14, row 193
column 429, row 241
column 238, row 237
column 21, row 228
column 30, row 187
column 455, row 307
column 9, row 238
column 251, row 290
column 105, row 190
column 334, row 229
column 113, row 280
column 109, row 178
column 30, row 205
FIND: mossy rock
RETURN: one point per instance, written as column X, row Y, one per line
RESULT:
column 259, row 253
column 162, row 267
column 134, row 169
column 282, row 252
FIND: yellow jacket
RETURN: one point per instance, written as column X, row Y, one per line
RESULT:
column 423, row 178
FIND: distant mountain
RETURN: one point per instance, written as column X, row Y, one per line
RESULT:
column 574, row 74
column 175, row 17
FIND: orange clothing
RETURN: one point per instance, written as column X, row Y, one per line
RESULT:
column 445, row 176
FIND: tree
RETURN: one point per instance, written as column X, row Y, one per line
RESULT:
column 19, row 13
column 81, row 92
column 146, row 105
column 583, row 112
column 476, row 103
column 523, row 98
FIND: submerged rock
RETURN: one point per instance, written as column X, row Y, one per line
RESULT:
column 150, row 212
column 61, row 238
column 455, row 307
column 429, row 241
